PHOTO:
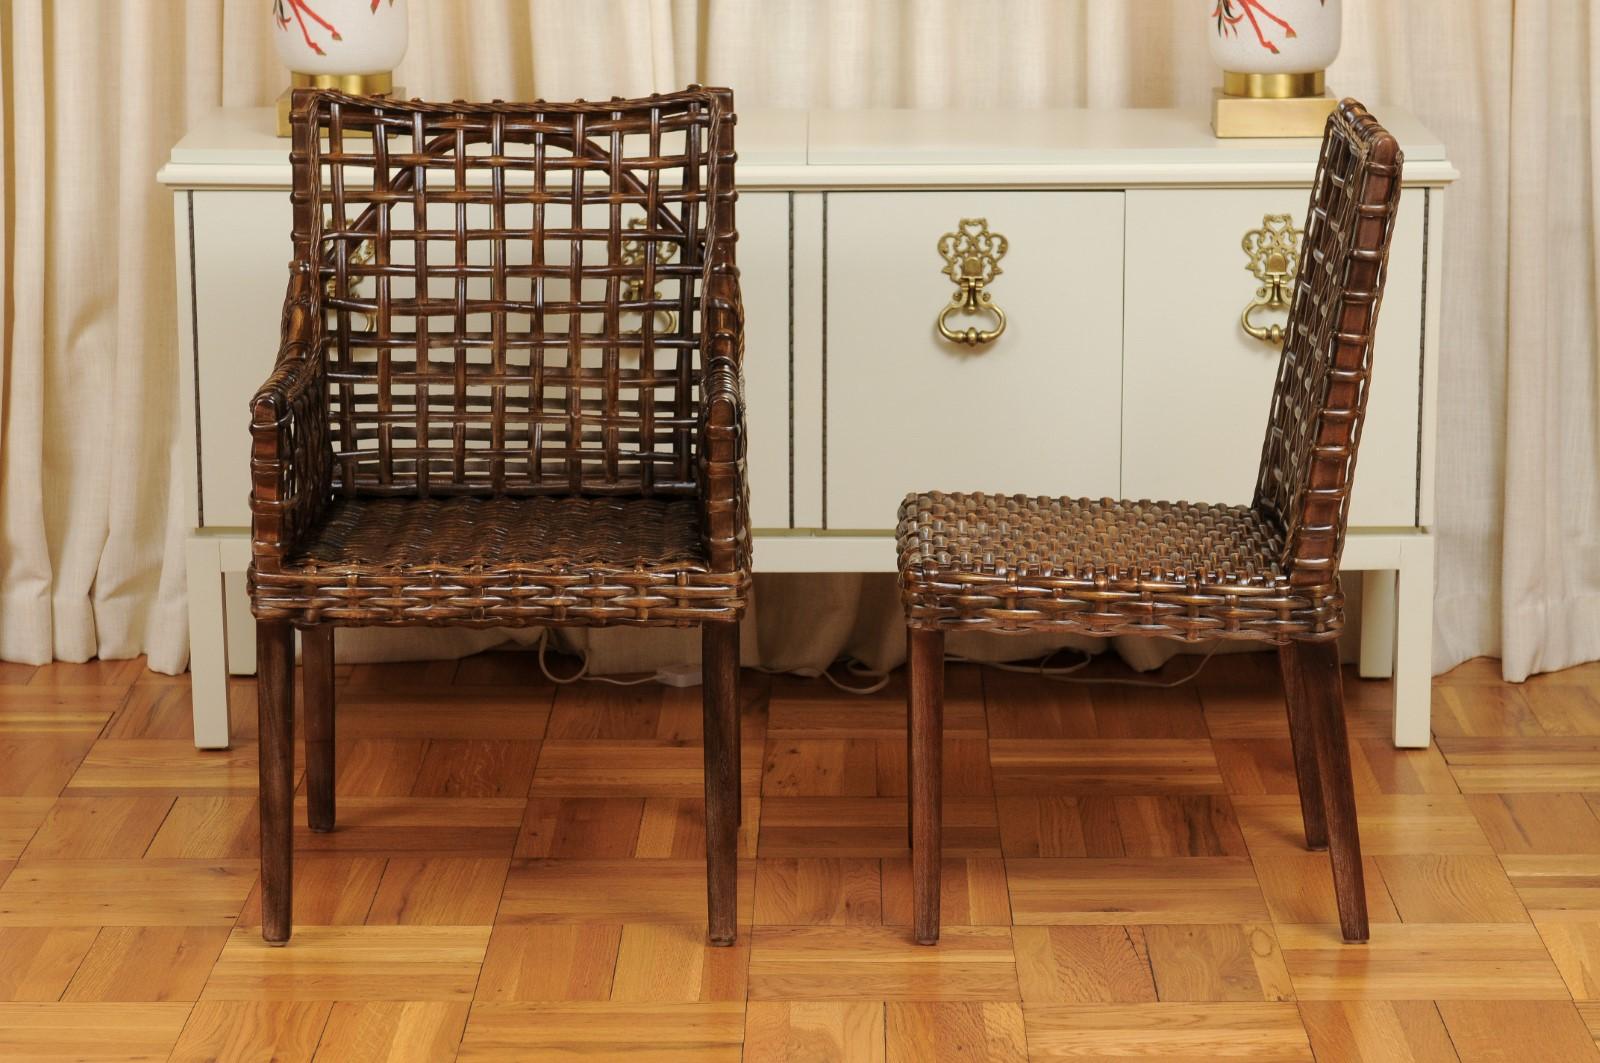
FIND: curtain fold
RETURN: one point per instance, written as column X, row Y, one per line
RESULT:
column 93, row 96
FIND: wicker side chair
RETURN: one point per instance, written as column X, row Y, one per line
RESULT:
column 508, row 394
column 1266, row 572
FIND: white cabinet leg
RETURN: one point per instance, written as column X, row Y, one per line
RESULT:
column 208, row 645
column 241, row 625
column 1413, row 653
column 1377, row 624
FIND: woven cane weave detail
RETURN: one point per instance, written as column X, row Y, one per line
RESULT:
column 1176, row 569
column 502, row 561
column 1268, row 571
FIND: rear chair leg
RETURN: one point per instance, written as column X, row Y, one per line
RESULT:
column 316, row 649
column 275, row 701
column 719, row 655
column 1324, row 686
column 925, row 693
column 1303, row 737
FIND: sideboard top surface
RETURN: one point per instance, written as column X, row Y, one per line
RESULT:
column 1085, row 147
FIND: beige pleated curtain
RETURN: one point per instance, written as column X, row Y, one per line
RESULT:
column 94, row 93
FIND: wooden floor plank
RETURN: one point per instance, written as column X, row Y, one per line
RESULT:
column 283, row 1031
column 613, row 891
column 872, row 827
column 37, row 962
column 351, row 963
column 1174, row 1033
column 639, row 1033
column 1526, row 824
column 147, row 963
column 439, row 891
column 549, row 962
column 1217, row 963
column 1508, row 1031
column 1083, row 965
column 1192, row 890
column 819, row 891
column 125, row 892
column 90, row 828
column 410, row 1031
column 1104, row 766
column 881, row 963
column 168, row 764
column 972, row 892
column 1377, row 1031
column 674, row 963
column 955, row 1031
column 1421, row 961
column 90, row 1033
column 1391, row 824
column 790, row 1031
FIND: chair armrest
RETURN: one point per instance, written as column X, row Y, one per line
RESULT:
column 291, row 462
column 724, row 495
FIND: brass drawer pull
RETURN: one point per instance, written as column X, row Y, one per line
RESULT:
column 1274, row 257
column 972, row 257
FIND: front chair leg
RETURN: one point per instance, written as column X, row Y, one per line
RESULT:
column 1324, row 688
column 275, row 702
column 719, row 657
column 316, row 649
column 1303, row 740
column 925, row 693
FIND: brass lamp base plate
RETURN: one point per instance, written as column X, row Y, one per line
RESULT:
column 376, row 85
column 1244, row 116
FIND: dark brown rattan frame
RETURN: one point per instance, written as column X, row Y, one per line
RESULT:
column 484, row 413
column 1264, row 572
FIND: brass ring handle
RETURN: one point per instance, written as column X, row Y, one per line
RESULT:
column 1264, row 300
column 972, row 301
column 1273, row 255
column 972, row 257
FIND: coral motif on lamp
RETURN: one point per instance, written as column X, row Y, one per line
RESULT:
column 1273, row 54
column 352, row 45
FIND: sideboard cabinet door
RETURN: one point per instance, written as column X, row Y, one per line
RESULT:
column 1035, row 411
column 763, row 219
column 1196, row 388
column 241, row 246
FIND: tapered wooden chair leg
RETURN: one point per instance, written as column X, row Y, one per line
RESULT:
column 1324, row 686
column 316, row 651
column 719, row 658
column 925, row 691
column 911, row 753
column 1303, row 739
column 275, row 701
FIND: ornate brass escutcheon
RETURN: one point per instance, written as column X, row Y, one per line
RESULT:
column 633, row 254
column 1274, row 254
column 972, row 257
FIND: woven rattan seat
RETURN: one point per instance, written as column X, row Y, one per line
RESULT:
column 1101, row 567
column 1268, row 571
column 553, row 561
column 508, row 393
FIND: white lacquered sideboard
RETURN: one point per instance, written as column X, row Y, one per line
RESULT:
column 1123, row 283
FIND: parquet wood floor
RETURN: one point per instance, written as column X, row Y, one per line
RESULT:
column 517, row 875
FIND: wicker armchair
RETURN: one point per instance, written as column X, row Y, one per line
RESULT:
column 1266, row 572
column 508, row 394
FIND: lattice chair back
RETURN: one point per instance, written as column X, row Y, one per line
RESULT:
column 1309, row 456
column 513, row 291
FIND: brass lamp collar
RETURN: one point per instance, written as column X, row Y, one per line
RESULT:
column 354, row 84
column 1273, row 86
